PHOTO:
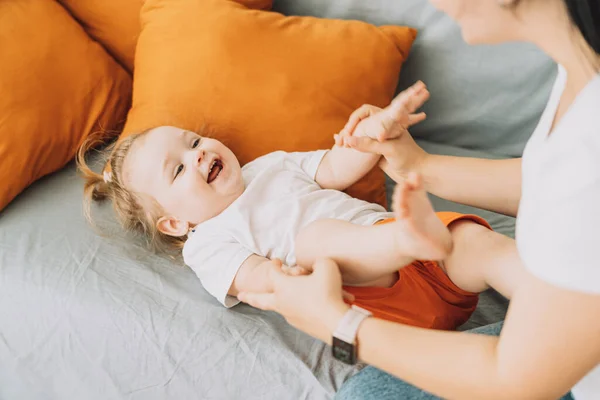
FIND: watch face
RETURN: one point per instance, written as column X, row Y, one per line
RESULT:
column 343, row 351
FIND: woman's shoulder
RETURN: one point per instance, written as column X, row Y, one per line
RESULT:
column 583, row 117
column 572, row 152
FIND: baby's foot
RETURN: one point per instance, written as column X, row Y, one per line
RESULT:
column 420, row 233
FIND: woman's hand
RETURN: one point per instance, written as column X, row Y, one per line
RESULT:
column 400, row 156
column 312, row 303
column 390, row 138
column 390, row 122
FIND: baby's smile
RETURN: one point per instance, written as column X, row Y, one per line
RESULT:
column 216, row 166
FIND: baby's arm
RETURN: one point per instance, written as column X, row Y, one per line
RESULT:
column 343, row 166
column 253, row 275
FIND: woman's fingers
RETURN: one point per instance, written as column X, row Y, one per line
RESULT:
column 264, row 301
column 277, row 262
column 326, row 268
column 390, row 134
column 267, row 301
column 366, row 144
column 358, row 115
column 347, row 296
column 337, row 138
column 296, row 271
column 321, row 306
column 412, row 119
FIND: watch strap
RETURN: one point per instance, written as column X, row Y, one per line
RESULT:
column 348, row 326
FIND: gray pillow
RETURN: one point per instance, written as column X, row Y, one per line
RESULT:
column 485, row 100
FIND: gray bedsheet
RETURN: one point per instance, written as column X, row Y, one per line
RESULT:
column 90, row 317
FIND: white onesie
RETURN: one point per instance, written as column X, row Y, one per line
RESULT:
column 281, row 198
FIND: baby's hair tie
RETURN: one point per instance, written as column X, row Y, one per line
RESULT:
column 107, row 176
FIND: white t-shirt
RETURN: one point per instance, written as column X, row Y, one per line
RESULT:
column 558, row 226
column 281, row 197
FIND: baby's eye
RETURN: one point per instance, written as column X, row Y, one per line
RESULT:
column 178, row 170
column 195, row 143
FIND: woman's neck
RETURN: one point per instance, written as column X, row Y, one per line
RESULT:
column 579, row 73
column 569, row 49
column 549, row 27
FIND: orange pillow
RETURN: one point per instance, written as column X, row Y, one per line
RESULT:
column 261, row 81
column 116, row 24
column 57, row 86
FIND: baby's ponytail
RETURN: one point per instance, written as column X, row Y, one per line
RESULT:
column 95, row 188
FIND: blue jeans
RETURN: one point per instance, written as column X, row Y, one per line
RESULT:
column 371, row 383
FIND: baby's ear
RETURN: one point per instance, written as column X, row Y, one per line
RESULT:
column 172, row 226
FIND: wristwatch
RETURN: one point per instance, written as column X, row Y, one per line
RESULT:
column 344, row 346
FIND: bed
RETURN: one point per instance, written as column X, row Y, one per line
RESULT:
column 89, row 316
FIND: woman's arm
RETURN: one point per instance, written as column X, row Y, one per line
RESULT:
column 549, row 342
column 489, row 184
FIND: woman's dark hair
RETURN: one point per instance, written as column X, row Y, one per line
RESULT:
column 585, row 14
column 585, row 17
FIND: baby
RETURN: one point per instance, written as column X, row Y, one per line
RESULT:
column 189, row 191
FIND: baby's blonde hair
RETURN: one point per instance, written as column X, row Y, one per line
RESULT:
column 131, row 213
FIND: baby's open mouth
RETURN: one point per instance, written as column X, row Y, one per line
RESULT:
column 215, row 170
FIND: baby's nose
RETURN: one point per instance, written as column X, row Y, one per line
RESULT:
column 199, row 157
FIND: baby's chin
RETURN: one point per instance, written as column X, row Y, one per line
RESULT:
column 233, row 190
column 233, row 181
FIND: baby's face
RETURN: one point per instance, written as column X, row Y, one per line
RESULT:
column 192, row 178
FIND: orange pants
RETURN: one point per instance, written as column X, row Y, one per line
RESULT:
column 424, row 295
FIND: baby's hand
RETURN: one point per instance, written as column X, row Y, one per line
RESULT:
column 295, row 270
column 388, row 123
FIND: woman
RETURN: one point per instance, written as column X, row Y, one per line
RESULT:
column 550, row 342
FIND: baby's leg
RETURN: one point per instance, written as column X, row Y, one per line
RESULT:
column 368, row 255
column 364, row 253
column 480, row 257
